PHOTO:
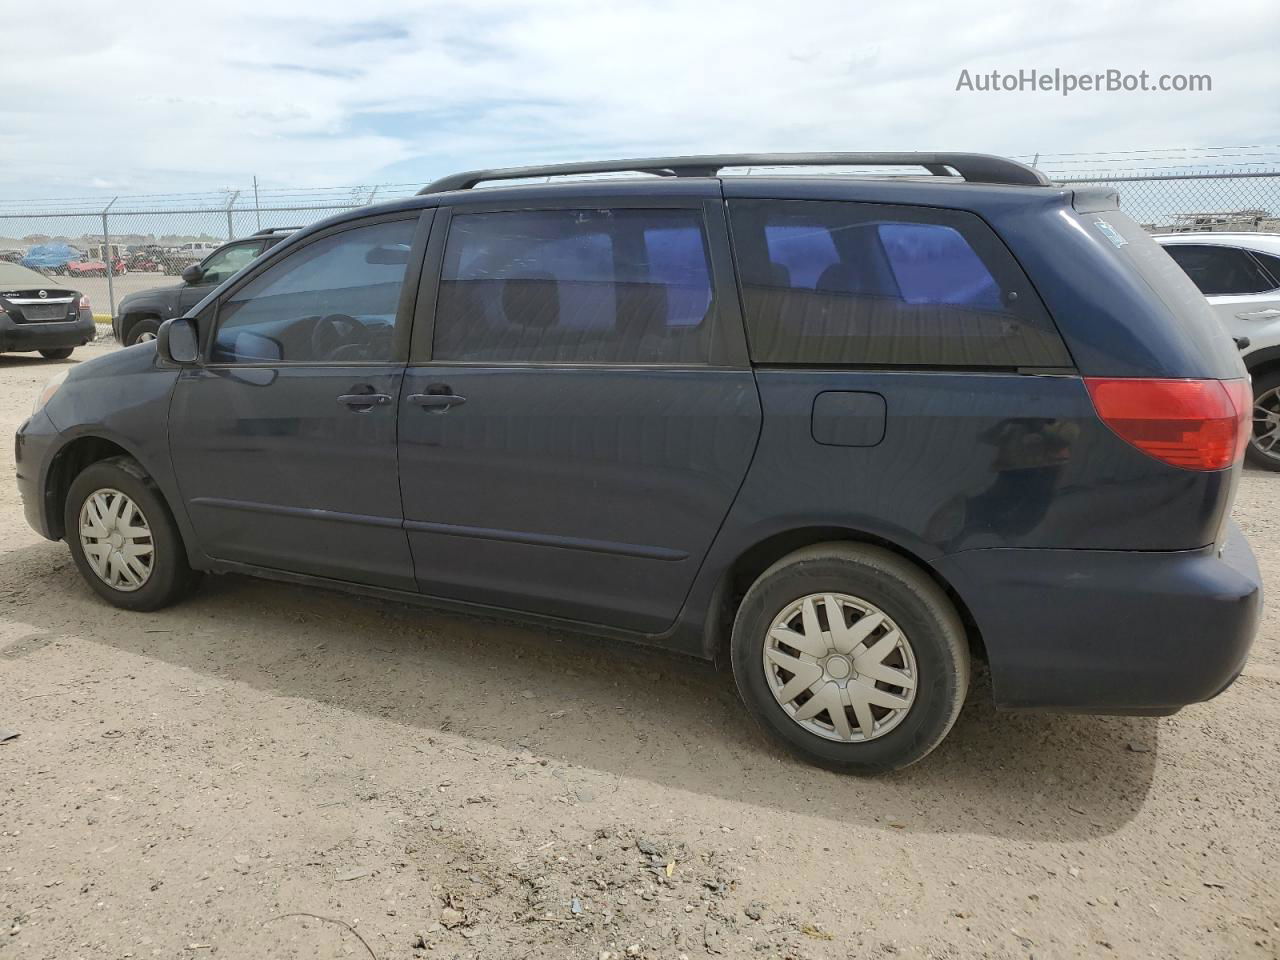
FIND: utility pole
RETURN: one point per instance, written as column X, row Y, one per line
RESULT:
column 256, row 206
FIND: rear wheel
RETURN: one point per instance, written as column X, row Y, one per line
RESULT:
column 850, row 657
column 1264, row 444
column 142, row 331
column 123, row 538
column 60, row 354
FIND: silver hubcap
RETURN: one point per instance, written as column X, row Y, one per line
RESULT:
column 840, row 667
column 1266, row 424
column 116, row 540
column 146, row 337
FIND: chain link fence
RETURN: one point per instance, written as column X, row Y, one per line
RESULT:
column 1189, row 202
column 108, row 249
column 113, row 248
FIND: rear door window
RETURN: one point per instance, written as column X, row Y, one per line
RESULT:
column 1271, row 264
column 614, row 286
column 1220, row 271
column 855, row 283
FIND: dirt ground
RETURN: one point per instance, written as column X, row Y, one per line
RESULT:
column 271, row 771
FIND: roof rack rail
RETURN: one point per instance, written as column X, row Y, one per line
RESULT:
column 267, row 231
column 973, row 167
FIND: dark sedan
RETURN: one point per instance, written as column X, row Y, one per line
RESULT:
column 36, row 316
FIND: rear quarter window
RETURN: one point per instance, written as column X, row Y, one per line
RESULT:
column 856, row 283
column 1187, row 312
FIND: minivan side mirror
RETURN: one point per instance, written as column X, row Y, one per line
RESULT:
column 177, row 341
column 193, row 274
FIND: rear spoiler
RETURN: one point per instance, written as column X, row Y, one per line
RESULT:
column 1094, row 199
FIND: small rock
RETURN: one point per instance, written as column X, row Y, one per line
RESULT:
column 575, row 906
column 648, row 847
column 633, row 950
column 449, row 917
column 1074, row 871
column 713, row 938
column 755, row 910
column 1136, row 747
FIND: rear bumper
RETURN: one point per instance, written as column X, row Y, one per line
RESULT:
column 1103, row 631
column 45, row 336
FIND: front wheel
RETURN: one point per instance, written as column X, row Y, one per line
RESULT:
column 142, row 331
column 123, row 538
column 850, row 657
column 1264, row 443
column 60, row 354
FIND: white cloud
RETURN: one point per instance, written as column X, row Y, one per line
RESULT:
column 157, row 97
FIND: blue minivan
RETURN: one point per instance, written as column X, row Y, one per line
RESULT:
column 847, row 431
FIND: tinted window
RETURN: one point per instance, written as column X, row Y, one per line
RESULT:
column 870, row 284
column 1271, row 264
column 575, row 286
column 1220, row 271
column 229, row 261
column 333, row 301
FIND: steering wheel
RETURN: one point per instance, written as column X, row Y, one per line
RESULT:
column 338, row 333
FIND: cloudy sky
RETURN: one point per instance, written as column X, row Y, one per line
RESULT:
column 137, row 97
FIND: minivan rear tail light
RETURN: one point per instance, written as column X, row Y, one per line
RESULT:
column 84, row 303
column 1194, row 424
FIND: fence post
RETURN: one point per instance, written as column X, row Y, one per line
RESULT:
column 231, row 233
column 372, row 193
column 108, row 259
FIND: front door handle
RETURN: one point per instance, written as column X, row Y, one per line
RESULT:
column 437, row 402
column 1269, row 314
column 364, row 402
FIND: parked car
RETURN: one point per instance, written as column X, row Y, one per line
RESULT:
column 51, row 258
column 139, row 315
column 848, row 433
column 12, row 256
column 36, row 316
column 148, row 258
column 1239, row 273
column 90, row 265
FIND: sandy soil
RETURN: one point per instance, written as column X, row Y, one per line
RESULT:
column 268, row 771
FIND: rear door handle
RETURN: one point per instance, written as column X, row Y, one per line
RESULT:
column 1269, row 314
column 437, row 402
column 363, row 402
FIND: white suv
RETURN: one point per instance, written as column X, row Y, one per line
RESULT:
column 1239, row 274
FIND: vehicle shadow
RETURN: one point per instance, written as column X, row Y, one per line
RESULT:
column 35, row 360
column 606, row 705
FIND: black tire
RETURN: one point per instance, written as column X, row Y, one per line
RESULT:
column 140, row 328
column 60, row 354
column 911, row 600
column 1252, row 455
column 171, row 577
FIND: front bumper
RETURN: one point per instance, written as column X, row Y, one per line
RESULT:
column 32, row 447
column 1110, row 631
column 45, row 336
